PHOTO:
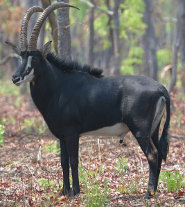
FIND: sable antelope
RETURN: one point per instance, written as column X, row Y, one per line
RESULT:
column 78, row 101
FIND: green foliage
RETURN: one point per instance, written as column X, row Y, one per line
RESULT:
column 2, row 131
column 101, row 169
column 8, row 88
column 18, row 101
column 179, row 117
column 83, row 176
column 7, row 121
column 79, row 15
column 2, row 72
column 9, row 16
column 122, row 165
column 46, row 183
column 96, row 195
column 48, row 29
column 100, row 26
column 163, row 57
column 131, row 17
column 132, row 188
column 173, row 180
column 139, row 6
column 133, row 60
column 52, row 148
column 34, row 126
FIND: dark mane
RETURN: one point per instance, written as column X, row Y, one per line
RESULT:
column 73, row 66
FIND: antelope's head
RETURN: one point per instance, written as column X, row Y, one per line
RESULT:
column 30, row 55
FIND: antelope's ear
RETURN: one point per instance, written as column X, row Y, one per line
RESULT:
column 46, row 49
column 14, row 47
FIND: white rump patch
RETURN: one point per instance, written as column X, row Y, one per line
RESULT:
column 158, row 113
column 118, row 130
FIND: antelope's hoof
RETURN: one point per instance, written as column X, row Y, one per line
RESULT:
column 149, row 194
column 66, row 192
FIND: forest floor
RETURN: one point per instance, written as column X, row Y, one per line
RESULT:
column 110, row 174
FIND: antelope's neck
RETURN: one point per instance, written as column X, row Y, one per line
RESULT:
column 44, row 87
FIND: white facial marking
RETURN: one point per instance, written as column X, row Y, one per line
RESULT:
column 28, row 65
column 29, row 77
column 20, row 60
column 118, row 130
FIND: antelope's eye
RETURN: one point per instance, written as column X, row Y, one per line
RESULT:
column 27, row 71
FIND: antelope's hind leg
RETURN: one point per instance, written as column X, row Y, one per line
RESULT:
column 155, row 139
column 152, row 158
column 142, row 134
column 151, row 154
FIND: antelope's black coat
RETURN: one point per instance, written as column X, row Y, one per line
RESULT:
column 75, row 99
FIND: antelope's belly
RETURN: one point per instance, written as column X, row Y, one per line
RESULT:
column 119, row 130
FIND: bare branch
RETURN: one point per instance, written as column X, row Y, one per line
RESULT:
column 170, row 19
column 6, row 59
column 176, row 47
column 176, row 136
column 108, row 12
column 88, row 3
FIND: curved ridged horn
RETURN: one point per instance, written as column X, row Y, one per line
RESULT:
column 36, row 30
column 24, row 26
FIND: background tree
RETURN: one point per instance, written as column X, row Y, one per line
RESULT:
column 182, row 45
column 145, row 31
column 110, row 37
column 150, row 42
column 53, row 24
column 178, row 41
column 27, row 4
column 116, row 35
column 91, row 35
column 64, row 36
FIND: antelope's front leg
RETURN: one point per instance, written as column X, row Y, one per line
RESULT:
column 72, row 143
column 65, row 167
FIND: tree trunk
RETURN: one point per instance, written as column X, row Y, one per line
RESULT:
column 116, row 34
column 91, row 35
column 64, row 37
column 182, row 49
column 178, row 39
column 149, row 43
column 53, row 24
column 111, row 39
column 29, row 4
